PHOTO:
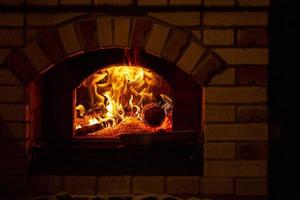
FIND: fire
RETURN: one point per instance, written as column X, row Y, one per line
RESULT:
column 121, row 99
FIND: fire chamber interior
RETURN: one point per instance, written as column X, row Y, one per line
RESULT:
column 122, row 99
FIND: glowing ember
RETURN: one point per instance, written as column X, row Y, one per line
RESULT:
column 122, row 99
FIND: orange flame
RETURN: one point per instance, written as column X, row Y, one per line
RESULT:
column 118, row 94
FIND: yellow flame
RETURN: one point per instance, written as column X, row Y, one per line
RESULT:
column 120, row 92
column 80, row 108
column 78, row 126
column 93, row 121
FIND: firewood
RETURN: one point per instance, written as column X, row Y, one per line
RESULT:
column 153, row 115
column 89, row 129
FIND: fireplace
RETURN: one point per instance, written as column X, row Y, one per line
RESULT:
column 122, row 100
column 155, row 99
column 93, row 95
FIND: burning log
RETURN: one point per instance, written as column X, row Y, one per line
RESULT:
column 153, row 115
column 89, row 129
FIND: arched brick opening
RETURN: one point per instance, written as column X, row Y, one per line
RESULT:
column 95, row 32
column 54, row 91
column 52, row 50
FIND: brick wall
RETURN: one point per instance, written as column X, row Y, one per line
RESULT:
column 200, row 43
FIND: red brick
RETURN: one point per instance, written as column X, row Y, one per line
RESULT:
column 235, row 168
column 11, row 112
column 11, row 2
column 36, row 56
column 253, row 168
column 253, row 3
column 7, row 77
column 122, row 27
column 190, row 57
column 219, row 151
column 235, row 95
column 226, row 77
column 105, row 31
column 157, row 39
column 152, row 3
column 252, row 187
column 216, row 113
column 44, row 2
column 218, row 37
column 30, row 34
column 252, row 37
column 252, row 114
column 13, row 184
column 69, row 38
column 75, row 2
column 236, row 132
column 50, row 44
column 88, row 35
column 49, row 19
column 141, row 28
column 182, row 18
column 253, row 151
column 12, row 147
column 246, row 56
column 208, row 66
column 114, row 2
column 80, row 184
column 12, row 130
column 256, row 76
column 13, row 165
column 45, row 184
column 220, row 168
column 219, row 2
column 186, row 2
column 3, row 54
column 11, row 19
column 11, row 37
column 148, row 184
column 215, row 186
column 114, row 185
column 197, row 34
column 235, row 18
column 182, row 185
column 11, row 94
column 174, row 44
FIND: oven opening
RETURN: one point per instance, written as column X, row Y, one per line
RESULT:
column 120, row 100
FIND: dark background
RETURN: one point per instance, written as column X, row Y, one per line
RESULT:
column 284, row 100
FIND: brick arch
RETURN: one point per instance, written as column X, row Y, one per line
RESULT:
column 90, row 33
